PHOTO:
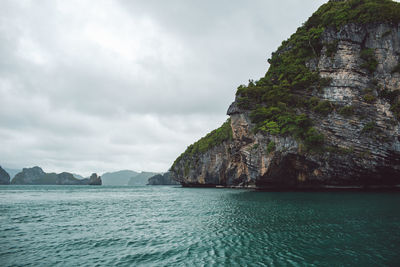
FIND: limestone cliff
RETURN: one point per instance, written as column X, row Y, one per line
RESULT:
column 326, row 113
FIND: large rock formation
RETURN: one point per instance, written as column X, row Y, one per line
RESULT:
column 325, row 114
column 4, row 177
column 94, row 179
column 36, row 176
column 162, row 179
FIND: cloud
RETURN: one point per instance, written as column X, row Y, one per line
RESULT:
column 127, row 84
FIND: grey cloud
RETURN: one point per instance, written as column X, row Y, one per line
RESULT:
column 122, row 84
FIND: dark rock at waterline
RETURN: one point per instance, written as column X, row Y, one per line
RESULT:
column 4, row 177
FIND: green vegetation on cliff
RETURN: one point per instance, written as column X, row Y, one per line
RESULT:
column 356, row 11
column 331, row 48
column 275, row 99
column 278, row 100
column 392, row 97
column 370, row 61
column 346, row 111
column 214, row 138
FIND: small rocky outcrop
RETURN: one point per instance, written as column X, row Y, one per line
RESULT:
column 326, row 114
column 94, row 179
column 162, row 179
column 4, row 177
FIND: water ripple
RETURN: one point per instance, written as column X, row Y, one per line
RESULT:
column 173, row 226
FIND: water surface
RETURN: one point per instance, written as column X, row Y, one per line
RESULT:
column 164, row 225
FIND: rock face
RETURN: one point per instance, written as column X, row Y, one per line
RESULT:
column 4, row 177
column 162, row 179
column 36, row 176
column 94, row 179
column 360, row 126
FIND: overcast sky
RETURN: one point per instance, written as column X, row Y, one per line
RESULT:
column 95, row 86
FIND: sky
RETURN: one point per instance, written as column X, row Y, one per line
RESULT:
column 96, row 86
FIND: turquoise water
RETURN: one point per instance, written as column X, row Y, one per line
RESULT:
column 158, row 226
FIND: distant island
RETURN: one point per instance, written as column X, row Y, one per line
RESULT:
column 36, row 176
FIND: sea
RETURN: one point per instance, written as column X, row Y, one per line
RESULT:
column 175, row 226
